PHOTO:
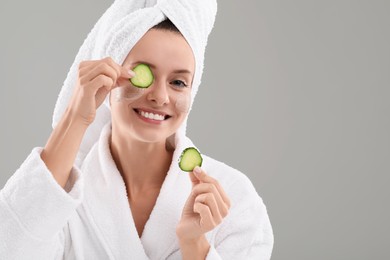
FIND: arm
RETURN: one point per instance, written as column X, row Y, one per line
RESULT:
column 95, row 81
column 195, row 249
column 34, row 209
column 34, row 205
column 41, row 196
column 61, row 149
column 245, row 233
column 204, row 209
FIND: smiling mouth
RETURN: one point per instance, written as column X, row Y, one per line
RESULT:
column 152, row 116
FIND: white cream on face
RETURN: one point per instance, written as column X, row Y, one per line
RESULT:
column 128, row 93
column 183, row 101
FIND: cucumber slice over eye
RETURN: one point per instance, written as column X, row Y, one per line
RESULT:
column 143, row 76
column 190, row 158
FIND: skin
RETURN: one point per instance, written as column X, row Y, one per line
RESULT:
column 135, row 143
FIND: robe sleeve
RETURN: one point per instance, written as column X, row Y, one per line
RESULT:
column 34, row 209
column 246, row 233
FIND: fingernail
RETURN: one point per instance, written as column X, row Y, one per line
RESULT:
column 131, row 73
column 197, row 170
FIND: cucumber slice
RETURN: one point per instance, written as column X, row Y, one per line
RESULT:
column 190, row 158
column 143, row 76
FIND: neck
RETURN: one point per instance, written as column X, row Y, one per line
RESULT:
column 143, row 166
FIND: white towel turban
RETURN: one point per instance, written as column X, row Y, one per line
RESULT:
column 116, row 33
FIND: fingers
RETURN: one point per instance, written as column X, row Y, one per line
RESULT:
column 206, row 220
column 88, row 74
column 201, row 175
column 208, row 194
column 208, row 199
column 90, row 70
column 192, row 197
column 127, row 73
column 95, row 79
column 100, row 81
column 193, row 178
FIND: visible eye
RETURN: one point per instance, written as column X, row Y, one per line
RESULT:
column 179, row 83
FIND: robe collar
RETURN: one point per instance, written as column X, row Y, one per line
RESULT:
column 107, row 202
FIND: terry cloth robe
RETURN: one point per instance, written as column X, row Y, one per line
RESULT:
column 91, row 217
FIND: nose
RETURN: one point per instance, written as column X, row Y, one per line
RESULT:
column 158, row 93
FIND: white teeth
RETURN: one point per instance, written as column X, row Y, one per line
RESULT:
column 151, row 116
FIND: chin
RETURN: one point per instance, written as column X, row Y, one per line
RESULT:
column 152, row 138
column 147, row 135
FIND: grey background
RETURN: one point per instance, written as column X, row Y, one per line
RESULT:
column 294, row 94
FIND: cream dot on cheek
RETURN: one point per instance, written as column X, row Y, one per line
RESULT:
column 127, row 93
column 183, row 102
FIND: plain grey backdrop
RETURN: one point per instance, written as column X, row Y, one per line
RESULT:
column 295, row 94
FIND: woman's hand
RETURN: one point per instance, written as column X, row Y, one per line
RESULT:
column 96, row 78
column 205, row 208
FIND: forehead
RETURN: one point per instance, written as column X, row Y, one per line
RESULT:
column 163, row 48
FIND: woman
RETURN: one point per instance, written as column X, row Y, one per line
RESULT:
column 125, row 197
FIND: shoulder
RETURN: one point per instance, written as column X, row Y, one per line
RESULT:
column 236, row 184
column 221, row 171
column 248, row 218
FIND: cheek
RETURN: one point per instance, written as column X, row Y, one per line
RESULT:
column 182, row 103
column 127, row 94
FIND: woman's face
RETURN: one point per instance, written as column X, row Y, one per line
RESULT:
column 155, row 113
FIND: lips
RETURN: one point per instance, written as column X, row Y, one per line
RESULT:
column 152, row 114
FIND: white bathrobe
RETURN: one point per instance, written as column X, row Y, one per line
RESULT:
column 91, row 217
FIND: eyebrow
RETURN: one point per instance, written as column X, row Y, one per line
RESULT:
column 154, row 67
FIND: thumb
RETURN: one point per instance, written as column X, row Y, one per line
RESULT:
column 193, row 179
column 123, row 79
column 199, row 173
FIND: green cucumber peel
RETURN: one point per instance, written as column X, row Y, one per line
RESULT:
column 143, row 76
column 189, row 159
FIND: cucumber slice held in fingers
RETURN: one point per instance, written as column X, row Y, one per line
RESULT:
column 143, row 76
column 189, row 159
